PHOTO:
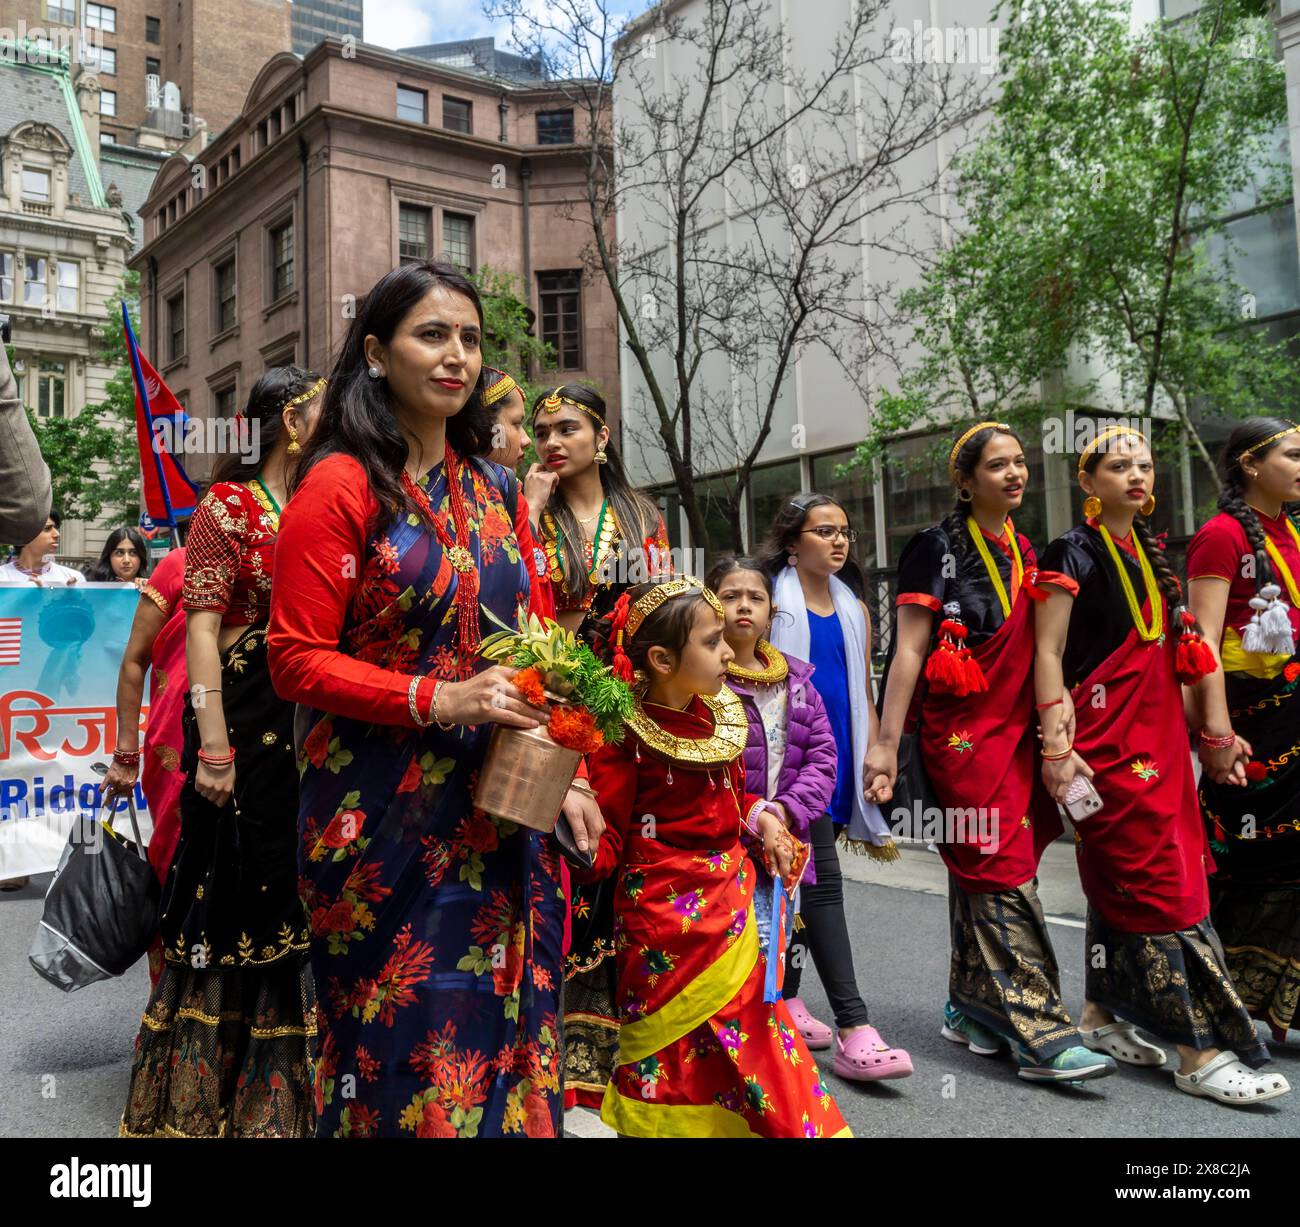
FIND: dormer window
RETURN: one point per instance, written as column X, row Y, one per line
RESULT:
column 36, row 185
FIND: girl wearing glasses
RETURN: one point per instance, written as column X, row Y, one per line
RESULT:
column 824, row 622
column 961, row 681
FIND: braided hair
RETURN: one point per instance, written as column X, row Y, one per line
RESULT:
column 1170, row 586
column 964, row 464
column 1232, row 495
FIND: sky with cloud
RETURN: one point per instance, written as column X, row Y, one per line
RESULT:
column 410, row 23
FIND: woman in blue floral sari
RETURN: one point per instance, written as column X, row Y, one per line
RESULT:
column 436, row 929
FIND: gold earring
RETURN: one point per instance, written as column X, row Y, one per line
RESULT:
column 1149, row 506
column 601, row 457
column 294, row 445
column 1092, row 507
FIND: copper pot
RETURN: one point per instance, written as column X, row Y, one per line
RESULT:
column 525, row 776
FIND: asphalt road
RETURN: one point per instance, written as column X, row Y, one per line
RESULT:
column 64, row 1060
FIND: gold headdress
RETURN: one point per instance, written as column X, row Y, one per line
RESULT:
column 304, row 396
column 499, row 390
column 970, row 434
column 1265, row 442
column 1111, row 432
column 627, row 616
column 553, row 400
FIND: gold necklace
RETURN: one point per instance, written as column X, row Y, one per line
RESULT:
column 1156, row 629
column 1017, row 563
column 263, row 496
column 724, row 745
column 775, row 666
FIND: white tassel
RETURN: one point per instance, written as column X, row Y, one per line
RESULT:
column 1269, row 630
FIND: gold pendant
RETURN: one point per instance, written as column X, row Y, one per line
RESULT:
column 460, row 558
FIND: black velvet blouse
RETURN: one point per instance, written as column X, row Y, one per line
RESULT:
column 1100, row 620
column 931, row 575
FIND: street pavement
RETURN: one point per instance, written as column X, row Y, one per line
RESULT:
column 64, row 1059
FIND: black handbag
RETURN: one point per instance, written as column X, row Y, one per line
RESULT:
column 101, row 911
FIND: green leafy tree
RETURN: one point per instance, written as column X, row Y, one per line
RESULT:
column 1093, row 206
column 93, row 459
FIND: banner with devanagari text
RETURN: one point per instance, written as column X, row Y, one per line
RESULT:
column 60, row 651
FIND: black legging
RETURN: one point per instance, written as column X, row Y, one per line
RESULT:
column 825, row 932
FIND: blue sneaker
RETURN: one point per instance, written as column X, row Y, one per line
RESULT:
column 1076, row 1064
column 961, row 1029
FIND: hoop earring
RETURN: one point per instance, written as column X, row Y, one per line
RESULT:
column 294, row 445
column 373, row 372
column 792, row 560
column 1149, row 506
column 964, row 495
column 1092, row 507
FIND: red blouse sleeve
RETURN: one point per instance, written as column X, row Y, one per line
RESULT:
column 1217, row 550
column 212, row 549
column 163, row 587
column 613, row 776
column 541, row 597
column 319, row 556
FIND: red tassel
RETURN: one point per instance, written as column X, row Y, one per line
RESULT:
column 976, row 682
column 945, row 672
column 1194, row 660
column 622, row 666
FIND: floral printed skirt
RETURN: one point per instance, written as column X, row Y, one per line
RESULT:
column 225, row 1053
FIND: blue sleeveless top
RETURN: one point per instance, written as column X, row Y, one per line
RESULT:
column 826, row 654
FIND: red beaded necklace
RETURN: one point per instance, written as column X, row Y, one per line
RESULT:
column 467, row 624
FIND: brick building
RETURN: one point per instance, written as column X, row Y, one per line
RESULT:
column 140, row 48
column 340, row 166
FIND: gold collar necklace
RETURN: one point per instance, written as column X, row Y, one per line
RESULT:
column 724, row 745
column 775, row 667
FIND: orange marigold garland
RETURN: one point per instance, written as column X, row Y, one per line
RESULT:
column 529, row 683
column 574, row 728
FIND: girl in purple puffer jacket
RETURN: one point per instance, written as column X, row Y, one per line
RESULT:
column 790, row 757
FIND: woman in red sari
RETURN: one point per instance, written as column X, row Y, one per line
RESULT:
column 965, row 586
column 156, row 646
column 1115, row 636
column 700, row 1053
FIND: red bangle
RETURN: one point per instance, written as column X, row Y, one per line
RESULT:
column 127, row 758
column 217, row 760
column 1053, row 703
column 1218, row 743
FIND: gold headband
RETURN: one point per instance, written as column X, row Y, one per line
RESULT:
column 1109, row 433
column 1271, row 439
column 970, row 434
column 305, row 396
column 554, row 400
column 501, row 389
column 662, row 593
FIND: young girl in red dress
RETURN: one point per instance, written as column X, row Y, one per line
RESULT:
column 700, row 1052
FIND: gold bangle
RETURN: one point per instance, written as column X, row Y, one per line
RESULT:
column 433, row 707
column 583, row 785
column 411, row 702
column 1052, row 758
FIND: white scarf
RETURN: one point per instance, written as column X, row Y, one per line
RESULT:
column 791, row 634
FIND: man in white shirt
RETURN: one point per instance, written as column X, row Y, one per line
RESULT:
column 36, row 565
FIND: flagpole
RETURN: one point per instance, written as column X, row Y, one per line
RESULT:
column 138, row 375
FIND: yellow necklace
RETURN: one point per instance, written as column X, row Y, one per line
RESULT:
column 775, row 667
column 1279, row 563
column 1156, row 629
column 1017, row 563
column 724, row 745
